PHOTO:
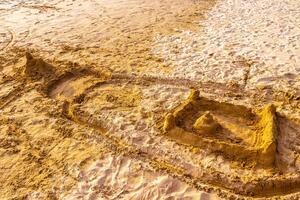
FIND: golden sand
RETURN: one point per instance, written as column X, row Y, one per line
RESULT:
column 83, row 116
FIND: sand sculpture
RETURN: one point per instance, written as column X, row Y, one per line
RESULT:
column 197, row 122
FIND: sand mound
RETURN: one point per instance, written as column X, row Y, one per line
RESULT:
column 36, row 68
column 206, row 124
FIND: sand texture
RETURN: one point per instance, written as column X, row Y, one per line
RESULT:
column 149, row 99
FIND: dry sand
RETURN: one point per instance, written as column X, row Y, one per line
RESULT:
column 95, row 99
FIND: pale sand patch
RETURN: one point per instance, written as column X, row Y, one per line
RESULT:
column 119, row 177
column 265, row 34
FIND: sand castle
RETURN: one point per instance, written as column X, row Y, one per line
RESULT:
column 199, row 122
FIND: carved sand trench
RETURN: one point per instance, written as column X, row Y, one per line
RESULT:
column 253, row 188
column 64, row 88
column 261, row 188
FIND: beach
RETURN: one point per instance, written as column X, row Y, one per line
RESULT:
column 140, row 99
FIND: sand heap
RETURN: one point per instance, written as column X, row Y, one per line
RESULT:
column 206, row 124
column 36, row 68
